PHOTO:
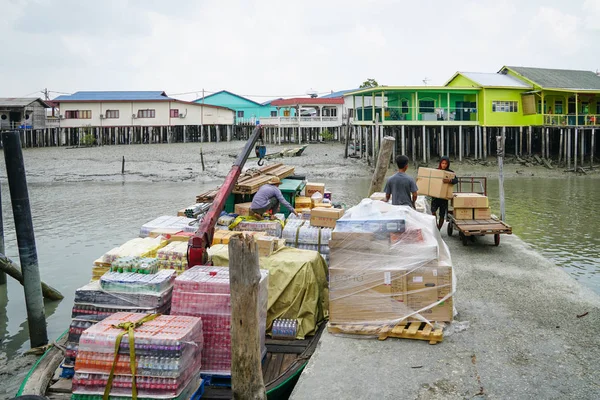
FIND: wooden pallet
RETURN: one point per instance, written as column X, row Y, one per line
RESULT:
column 207, row 197
column 404, row 330
column 251, row 181
column 472, row 227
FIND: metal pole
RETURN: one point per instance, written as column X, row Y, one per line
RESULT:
column 460, row 143
column 32, row 285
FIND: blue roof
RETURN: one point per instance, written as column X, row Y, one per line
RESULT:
column 339, row 93
column 114, row 96
column 268, row 102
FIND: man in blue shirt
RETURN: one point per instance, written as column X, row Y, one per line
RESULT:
column 268, row 198
column 401, row 187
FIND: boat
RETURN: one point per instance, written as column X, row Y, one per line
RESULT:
column 281, row 366
column 284, row 362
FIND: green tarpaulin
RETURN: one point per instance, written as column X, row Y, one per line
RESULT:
column 297, row 285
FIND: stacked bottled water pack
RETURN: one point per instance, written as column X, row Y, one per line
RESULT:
column 167, row 356
column 133, row 282
column 173, row 256
column 203, row 291
column 299, row 234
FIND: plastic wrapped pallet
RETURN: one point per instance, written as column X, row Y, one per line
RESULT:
column 138, row 247
column 173, row 256
column 167, row 352
column 169, row 222
column 388, row 264
column 271, row 228
column 300, row 234
column 204, row 292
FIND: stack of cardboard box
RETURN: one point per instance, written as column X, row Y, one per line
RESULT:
column 471, row 206
column 387, row 270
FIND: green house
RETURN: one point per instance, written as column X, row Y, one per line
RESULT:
column 416, row 105
column 559, row 97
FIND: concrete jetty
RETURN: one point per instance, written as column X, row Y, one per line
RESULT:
column 525, row 329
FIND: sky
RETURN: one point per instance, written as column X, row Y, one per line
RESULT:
column 269, row 49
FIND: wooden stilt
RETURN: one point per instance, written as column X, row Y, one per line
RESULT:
column 592, row 149
column 403, row 141
column 460, row 143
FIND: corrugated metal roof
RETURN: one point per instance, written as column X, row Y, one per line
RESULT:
column 268, row 102
column 487, row 79
column 20, row 101
column 339, row 93
column 560, row 78
column 229, row 93
column 115, row 96
column 306, row 101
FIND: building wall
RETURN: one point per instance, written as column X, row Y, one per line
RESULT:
column 250, row 109
column 162, row 114
column 496, row 118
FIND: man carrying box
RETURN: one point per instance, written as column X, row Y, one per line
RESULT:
column 442, row 204
column 401, row 187
column 268, row 199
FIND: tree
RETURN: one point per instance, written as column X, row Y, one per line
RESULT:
column 369, row 83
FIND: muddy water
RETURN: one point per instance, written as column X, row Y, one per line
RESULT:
column 82, row 206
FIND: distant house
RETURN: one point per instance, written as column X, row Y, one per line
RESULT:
column 140, row 117
column 22, row 113
column 246, row 111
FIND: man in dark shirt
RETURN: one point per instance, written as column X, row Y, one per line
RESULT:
column 401, row 187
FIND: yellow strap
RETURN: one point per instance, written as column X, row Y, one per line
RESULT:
column 298, row 233
column 129, row 328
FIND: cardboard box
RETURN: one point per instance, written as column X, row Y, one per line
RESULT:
column 267, row 245
column 378, row 196
column 430, row 183
column 223, row 237
column 311, row 188
column 363, row 296
column 323, row 205
column 426, row 286
column 242, row 209
column 410, row 236
column 482, row 213
column 325, row 217
column 303, row 202
column 469, row 200
column 463, row 213
column 375, row 225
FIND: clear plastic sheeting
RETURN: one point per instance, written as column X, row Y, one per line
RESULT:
column 388, row 264
column 138, row 247
column 423, row 204
column 169, row 224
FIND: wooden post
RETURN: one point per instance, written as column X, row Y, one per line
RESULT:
column 568, row 157
column 485, row 150
column 442, row 148
column 413, row 145
column 123, row 166
column 529, row 137
column 501, row 176
column 383, row 161
column 560, row 148
column 2, row 274
column 424, row 145
column 244, row 277
column 575, row 150
column 403, row 141
column 548, row 147
column 17, row 182
column 347, row 136
column 460, row 143
column 582, row 146
column 592, row 145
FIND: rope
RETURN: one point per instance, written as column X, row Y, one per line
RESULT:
column 128, row 328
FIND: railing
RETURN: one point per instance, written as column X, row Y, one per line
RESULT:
column 8, row 125
column 452, row 114
column 572, row 120
column 303, row 120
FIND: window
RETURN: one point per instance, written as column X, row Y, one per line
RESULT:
column 78, row 114
column 404, row 106
column 146, row 113
column 505, row 106
column 558, row 107
column 174, row 113
column 286, row 113
column 333, row 112
column 351, row 112
column 112, row 114
column 273, row 113
column 240, row 114
column 426, row 106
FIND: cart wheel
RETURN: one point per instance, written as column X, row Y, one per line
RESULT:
column 450, row 229
column 497, row 239
column 464, row 238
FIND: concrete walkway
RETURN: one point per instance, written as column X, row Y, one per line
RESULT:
column 523, row 339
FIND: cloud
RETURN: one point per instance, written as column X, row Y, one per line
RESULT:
column 591, row 10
